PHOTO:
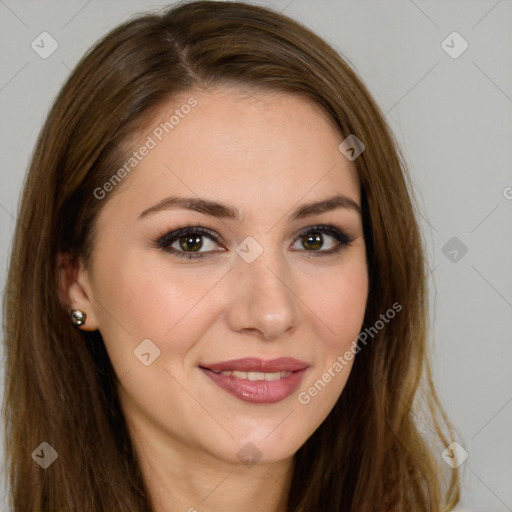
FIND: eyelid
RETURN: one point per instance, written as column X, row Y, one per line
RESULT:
column 176, row 233
column 329, row 229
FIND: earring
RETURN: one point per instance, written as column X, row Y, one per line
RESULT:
column 78, row 317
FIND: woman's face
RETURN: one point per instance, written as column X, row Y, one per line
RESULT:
column 225, row 337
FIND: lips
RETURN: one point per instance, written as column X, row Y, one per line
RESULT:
column 256, row 380
column 253, row 364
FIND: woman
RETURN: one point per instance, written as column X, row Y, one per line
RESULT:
column 217, row 291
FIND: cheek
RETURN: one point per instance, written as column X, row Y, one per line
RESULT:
column 145, row 295
column 338, row 299
column 347, row 309
column 146, row 298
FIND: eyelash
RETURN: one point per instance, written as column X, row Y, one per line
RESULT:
column 164, row 242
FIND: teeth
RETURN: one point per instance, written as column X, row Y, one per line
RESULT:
column 256, row 375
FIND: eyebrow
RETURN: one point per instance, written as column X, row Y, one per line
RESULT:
column 219, row 210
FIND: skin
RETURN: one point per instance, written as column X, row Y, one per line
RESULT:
column 264, row 154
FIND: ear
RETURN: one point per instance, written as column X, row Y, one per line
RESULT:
column 74, row 290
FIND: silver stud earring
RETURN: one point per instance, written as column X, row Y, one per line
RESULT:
column 78, row 317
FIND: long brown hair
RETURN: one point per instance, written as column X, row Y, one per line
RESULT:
column 369, row 453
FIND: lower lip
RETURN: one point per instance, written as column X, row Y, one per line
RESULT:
column 257, row 391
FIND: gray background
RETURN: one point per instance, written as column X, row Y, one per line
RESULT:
column 453, row 119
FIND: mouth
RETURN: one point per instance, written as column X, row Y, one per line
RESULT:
column 256, row 380
column 255, row 376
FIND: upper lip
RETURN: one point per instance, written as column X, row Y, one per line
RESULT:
column 255, row 364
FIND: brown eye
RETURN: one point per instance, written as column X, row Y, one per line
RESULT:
column 312, row 241
column 190, row 243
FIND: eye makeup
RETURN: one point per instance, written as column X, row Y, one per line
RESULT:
column 189, row 241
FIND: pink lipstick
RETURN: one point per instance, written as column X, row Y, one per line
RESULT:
column 256, row 380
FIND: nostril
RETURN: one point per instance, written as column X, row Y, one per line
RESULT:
column 250, row 330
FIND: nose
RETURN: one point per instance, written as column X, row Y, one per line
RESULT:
column 262, row 300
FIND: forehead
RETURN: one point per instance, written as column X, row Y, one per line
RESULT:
column 252, row 149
